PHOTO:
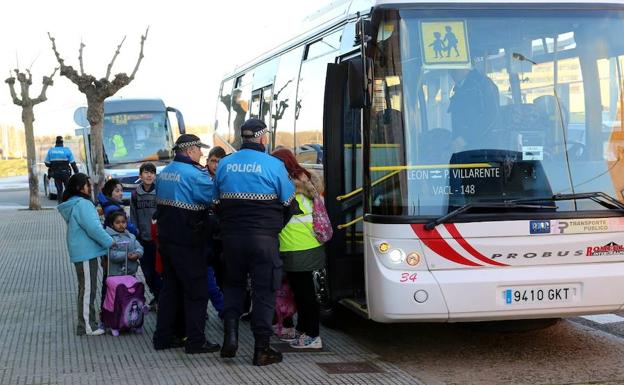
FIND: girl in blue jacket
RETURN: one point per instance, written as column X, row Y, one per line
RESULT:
column 86, row 242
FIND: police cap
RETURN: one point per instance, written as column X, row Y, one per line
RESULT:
column 253, row 128
column 188, row 140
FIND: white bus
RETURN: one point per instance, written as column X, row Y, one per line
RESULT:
column 471, row 153
column 135, row 131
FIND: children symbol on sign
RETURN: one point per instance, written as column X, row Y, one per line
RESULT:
column 451, row 42
column 438, row 45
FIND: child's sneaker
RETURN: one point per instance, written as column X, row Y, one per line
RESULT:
column 306, row 342
column 288, row 334
column 96, row 332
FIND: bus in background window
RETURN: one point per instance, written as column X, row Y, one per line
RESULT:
column 471, row 152
column 135, row 131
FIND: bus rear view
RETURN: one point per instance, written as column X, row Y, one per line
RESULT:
column 493, row 142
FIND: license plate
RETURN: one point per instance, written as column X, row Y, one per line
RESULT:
column 540, row 294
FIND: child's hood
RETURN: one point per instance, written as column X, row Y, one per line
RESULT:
column 67, row 207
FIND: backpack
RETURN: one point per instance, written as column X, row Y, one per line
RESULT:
column 320, row 220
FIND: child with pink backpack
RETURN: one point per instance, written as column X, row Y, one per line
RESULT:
column 124, row 298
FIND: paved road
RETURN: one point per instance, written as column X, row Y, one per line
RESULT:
column 14, row 193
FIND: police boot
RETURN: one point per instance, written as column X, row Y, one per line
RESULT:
column 264, row 354
column 230, row 338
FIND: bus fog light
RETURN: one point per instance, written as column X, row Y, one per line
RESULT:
column 397, row 255
column 383, row 247
column 413, row 259
column 421, row 296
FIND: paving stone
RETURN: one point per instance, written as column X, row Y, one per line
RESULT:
column 38, row 345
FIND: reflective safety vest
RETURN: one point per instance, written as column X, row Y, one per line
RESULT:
column 298, row 234
column 120, row 147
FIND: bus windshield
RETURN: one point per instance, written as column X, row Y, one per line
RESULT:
column 136, row 137
column 477, row 106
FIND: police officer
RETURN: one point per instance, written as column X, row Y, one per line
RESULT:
column 183, row 195
column 255, row 195
column 58, row 160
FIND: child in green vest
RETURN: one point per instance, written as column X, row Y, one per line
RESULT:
column 302, row 253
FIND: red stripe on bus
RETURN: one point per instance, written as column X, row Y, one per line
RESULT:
column 452, row 229
column 433, row 240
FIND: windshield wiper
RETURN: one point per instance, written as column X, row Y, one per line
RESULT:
column 601, row 198
column 490, row 205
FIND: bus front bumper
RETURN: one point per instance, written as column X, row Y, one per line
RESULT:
column 485, row 294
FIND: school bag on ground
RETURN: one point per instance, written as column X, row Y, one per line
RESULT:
column 284, row 304
column 124, row 305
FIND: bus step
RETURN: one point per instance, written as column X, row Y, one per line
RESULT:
column 358, row 305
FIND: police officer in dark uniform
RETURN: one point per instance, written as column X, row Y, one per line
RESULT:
column 255, row 195
column 183, row 195
column 58, row 160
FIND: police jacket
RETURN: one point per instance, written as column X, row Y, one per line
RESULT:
column 183, row 195
column 58, row 160
column 253, row 190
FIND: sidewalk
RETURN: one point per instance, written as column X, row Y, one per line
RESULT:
column 38, row 344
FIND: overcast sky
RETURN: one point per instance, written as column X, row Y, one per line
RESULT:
column 190, row 45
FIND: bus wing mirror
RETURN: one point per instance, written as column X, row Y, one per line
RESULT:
column 179, row 118
column 359, row 83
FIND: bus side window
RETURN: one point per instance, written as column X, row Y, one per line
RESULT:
column 284, row 99
column 309, row 109
column 224, row 107
column 241, row 99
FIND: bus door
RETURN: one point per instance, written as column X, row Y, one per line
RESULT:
column 344, row 198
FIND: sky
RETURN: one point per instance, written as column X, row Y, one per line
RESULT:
column 191, row 44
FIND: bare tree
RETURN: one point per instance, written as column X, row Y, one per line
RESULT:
column 96, row 91
column 28, row 117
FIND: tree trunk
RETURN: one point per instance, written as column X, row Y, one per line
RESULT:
column 28, row 118
column 95, row 115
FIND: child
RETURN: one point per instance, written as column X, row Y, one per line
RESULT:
column 110, row 199
column 126, row 247
column 86, row 242
column 142, row 209
column 123, row 260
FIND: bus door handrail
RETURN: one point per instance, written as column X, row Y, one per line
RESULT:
column 359, row 190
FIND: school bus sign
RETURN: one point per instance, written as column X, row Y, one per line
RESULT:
column 444, row 44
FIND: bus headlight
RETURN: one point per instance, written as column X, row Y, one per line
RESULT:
column 413, row 259
column 397, row 256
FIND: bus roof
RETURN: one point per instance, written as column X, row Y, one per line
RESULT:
column 340, row 12
column 115, row 106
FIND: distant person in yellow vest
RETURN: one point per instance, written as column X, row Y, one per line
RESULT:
column 302, row 254
column 120, row 147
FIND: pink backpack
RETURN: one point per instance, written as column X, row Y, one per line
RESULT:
column 320, row 220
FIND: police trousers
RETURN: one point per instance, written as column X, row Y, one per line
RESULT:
column 258, row 257
column 184, row 280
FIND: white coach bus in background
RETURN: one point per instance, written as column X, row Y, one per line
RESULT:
column 472, row 153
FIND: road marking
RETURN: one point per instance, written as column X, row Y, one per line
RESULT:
column 604, row 318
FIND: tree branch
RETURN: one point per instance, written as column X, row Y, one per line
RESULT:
column 80, row 58
column 84, row 83
column 136, row 68
column 110, row 65
column 47, row 81
column 11, row 82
